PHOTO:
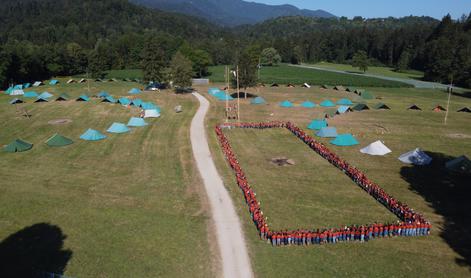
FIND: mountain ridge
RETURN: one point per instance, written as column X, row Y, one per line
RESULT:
column 231, row 12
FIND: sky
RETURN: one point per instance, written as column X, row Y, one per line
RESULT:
column 382, row 8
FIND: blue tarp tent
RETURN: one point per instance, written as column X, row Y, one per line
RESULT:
column 137, row 102
column 343, row 109
column 137, row 122
column 92, row 135
column 109, row 99
column 31, row 94
column 124, row 101
column 16, row 101
column 45, row 95
column 118, row 128
column 83, row 98
column 258, row 100
column 224, row 97
column 327, row 132
column 149, row 106
column 286, row 104
column 103, row 94
column 308, row 104
column 317, row 124
column 344, row 101
column 345, row 140
column 54, row 82
column 327, row 103
column 134, row 91
column 26, row 85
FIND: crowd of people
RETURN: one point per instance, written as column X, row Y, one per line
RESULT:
column 410, row 224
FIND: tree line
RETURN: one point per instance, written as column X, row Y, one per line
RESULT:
column 44, row 38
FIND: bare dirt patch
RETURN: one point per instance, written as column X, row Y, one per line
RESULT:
column 458, row 136
column 282, row 161
column 60, row 122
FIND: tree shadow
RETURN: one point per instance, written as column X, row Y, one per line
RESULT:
column 34, row 250
column 448, row 193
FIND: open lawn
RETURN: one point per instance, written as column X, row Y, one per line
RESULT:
column 382, row 71
column 284, row 74
column 431, row 190
column 127, row 206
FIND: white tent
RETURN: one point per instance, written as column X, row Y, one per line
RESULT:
column 71, row 81
column 416, row 157
column 17, row 93
column 151, row 114
column 83, row 80
column 37, row 84
column 305, row 85
column 376, row 148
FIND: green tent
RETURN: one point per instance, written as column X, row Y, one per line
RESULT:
column 359, row 91
column 58, row 140
column 360, row 107
column 330, row 113
column 366, row 95
column 339, row 88
column 325, row 87
column 63, row 97
column 460, row 165
column 381, row 106
column 17, row 146
column 351, row 89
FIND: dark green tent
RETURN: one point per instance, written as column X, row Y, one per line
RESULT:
column 325, row 87
column 460, row 165
column 381, row 106
column 58, row 140
column 366, row 95
column 339, row 88
column 414, row 107
column 63, row 97
column 465, row 110
column 359, row 91
column 351, row 90
column 360, row 107
column 17, row 146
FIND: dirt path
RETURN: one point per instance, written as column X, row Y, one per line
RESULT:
column 230, row 239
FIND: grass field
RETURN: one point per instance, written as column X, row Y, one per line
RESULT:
column 128, row 206
column 285, row 74
column 430, row 190
column 383, row 71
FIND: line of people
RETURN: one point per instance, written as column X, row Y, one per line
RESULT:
column 412, row 224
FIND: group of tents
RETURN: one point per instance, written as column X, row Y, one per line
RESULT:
column 438, row 108
column 324, row 131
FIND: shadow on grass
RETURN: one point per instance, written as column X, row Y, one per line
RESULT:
column 34, row 250
column 449, row 194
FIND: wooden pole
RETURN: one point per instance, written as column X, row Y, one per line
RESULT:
column 238, row 95
column 450, row 90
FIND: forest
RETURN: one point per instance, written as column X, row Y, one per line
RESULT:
column 44, row 38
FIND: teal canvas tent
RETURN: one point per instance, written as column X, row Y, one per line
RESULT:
column 327, row 103
column 344, row 109
column 31, row 94
column 118, row 128
column 103, row 94
column 149, row 106
column 53, row 82
column 137, row 102
column 16, row 101
column 344, row 101
column 134, row 91
column 258, row 100
column 92, row 135
column 83, row 98
column 109, row 99
column 45, row 95
column 308, row 104
column 327, row 132
column 124, row 101
column 9, row 91
column 345, row 140
column 317, row 124
column 137, row 122
column 286, row 104
column 17, row 146
column 26, row 85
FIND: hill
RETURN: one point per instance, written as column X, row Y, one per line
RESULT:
column 231, row 12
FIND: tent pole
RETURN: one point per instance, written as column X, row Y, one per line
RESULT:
column 450, row 89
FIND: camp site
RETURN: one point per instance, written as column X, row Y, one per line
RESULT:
column 150, row 139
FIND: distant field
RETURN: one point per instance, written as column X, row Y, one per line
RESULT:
column 383, row 71
column 299, row 196
column 285, row 74
column 128, row 205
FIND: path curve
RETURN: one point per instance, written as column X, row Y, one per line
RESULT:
column 231, row 242
column 415, row 83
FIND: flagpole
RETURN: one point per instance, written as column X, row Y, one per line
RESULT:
column 238, row 95
column 450, row 89
column 227, row 90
